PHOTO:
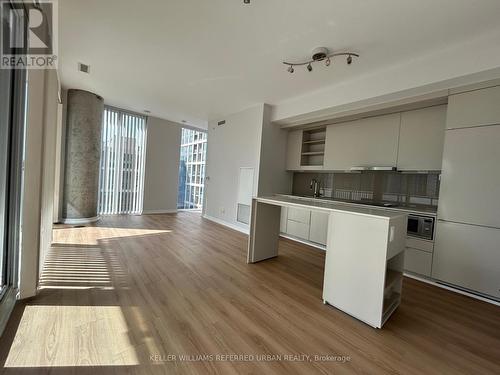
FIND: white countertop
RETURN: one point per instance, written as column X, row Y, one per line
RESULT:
column 411, row 209
column 324, row 205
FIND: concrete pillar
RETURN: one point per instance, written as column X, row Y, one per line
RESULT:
column 83, row 151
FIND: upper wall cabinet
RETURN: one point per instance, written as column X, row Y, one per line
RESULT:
column 294, row 149
column 368, row 142
column 474, row 108
column 421, row 139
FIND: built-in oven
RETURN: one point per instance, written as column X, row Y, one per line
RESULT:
column 421, row 226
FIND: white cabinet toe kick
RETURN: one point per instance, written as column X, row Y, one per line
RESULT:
column 363, row 273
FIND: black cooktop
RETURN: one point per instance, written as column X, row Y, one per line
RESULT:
column 378, row 204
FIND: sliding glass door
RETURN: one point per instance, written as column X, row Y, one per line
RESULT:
column 123, row 151
column 12, row 119
column 5, row 106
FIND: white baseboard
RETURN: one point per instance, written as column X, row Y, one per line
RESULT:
column 246, row 230
column 238, row 228
column 80, row 221
column 452, row 289
column 305, row 242
column 158, row 212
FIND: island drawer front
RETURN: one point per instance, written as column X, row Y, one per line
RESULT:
column 418, row 261
column 297, row 229
column 416, row 243
column 299, row 215
column 319, row 227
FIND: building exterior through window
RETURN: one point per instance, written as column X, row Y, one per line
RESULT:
column 192, row 169
column 123, row 153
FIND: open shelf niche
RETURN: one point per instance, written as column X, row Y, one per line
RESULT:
column 393, row 285
column 313, row 147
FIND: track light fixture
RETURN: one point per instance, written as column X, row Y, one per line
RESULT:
column 246, row 1
column 321, row 54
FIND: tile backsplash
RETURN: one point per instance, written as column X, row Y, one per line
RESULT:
column 405, row 188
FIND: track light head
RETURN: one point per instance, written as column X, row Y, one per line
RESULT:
column 328, row 61
column 319, row 53
column 349, row 60
column 309, row 67
column 291, row 69
column 246, row 1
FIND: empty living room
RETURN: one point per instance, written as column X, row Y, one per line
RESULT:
column 249, row 187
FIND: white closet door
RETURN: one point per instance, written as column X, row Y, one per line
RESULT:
column 245, row 194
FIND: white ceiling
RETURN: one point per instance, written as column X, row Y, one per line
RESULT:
column 196, row 60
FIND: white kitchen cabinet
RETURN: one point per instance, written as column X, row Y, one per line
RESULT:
column 283, row 219
column 368, row 142
column 294, row 150
column 419, row 244
column 470, row 178
column 474, row 108
column 418, row 256
column 319, row 227
column 298, row 222
column 468, row 256
column 364, row 264
column 418, row 261
column 308, row 225
column 296, row 229
column 421, row 139
column 299, row 215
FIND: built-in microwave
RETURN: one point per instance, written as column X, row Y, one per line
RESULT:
column 421, row 226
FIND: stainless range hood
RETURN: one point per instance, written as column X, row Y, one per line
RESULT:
column 381, row 168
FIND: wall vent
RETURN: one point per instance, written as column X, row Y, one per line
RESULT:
column 221, row 122
column 84, row 68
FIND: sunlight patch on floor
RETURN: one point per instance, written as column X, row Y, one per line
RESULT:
column 92, row 235
column 72, row 336
column 72, row 266
column 75, row 287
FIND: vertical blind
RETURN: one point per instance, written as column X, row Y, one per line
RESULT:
column 123, row 151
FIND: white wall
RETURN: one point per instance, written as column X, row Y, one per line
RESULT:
column 273, row 177
column 38, row 183
column 50, row 133
column 60, row 159
column 231, row 146
column 30, row 215
column 161, row 181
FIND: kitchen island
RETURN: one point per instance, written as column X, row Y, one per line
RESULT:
column 364, row 253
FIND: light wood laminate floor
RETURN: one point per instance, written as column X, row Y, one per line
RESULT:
column 155, row 294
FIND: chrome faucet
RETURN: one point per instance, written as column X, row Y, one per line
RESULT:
column 315, row 188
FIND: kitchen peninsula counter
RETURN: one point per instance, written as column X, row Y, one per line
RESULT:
column 364, row 252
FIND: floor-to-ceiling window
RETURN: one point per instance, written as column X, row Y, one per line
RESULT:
column 13, row 94
column 192, row 169
column 123, row 151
